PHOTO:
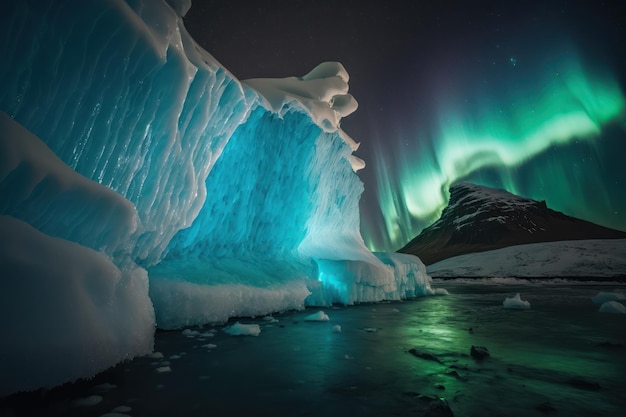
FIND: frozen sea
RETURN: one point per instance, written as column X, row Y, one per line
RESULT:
column 560, row 357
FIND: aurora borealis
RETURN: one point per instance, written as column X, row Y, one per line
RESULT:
column 541, row 141
column 528, row 97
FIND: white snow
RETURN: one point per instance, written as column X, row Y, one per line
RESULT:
column 323, row 92
column 87, row 313
column 515, row 303
column 574, row 258
column 319, row 316
column 612, row 307
column 239, row 329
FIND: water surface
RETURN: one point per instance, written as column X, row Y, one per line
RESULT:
column 560, row 356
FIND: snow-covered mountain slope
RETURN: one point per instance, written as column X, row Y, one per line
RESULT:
column 480, row 218
column 601, row 258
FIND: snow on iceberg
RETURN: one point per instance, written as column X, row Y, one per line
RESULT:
column 133, row 151
column 516, row 302
column 68, row 311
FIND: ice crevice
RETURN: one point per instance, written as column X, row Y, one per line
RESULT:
column 145, row 185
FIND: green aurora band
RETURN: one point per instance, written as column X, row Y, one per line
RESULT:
column 546, row 135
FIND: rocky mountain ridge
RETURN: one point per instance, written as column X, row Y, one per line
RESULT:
column 479, row 219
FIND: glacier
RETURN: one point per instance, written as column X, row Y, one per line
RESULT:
column 142, row 185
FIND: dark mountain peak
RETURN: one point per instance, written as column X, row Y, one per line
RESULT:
column 480, row 218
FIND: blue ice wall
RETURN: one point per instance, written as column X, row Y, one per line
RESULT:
column 237, row 200
column 259, row 199
column 121, row 93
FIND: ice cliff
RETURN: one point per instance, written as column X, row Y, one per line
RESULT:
column 142, row 184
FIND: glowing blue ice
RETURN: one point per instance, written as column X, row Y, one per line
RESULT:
column 236, row 198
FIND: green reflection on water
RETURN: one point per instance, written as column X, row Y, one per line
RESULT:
column 549, row 353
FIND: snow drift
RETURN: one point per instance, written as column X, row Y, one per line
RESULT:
column 594, row 258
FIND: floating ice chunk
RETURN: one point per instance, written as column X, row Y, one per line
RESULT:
column 190, row 333
column 337, row 328
column 239, row 329
column 87, row 401
column 438, row 291
column 175, row 357
column 602, row 297
column 319, row 316
column 516, row 302
column 209, row 346
column 612, row 307
column 156, row 355
column 112, row 414
column 121, row 409
column 162, row 369
column 270, row 319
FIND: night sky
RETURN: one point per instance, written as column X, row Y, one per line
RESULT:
column 526, row 96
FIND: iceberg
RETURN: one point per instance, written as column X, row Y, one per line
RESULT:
column 142, row 185
column 515, row 303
